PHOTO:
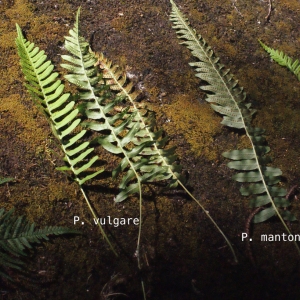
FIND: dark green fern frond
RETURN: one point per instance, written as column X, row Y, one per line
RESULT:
column 228, row 99
column 117, row 81
column 283, row 60
column 17, row 235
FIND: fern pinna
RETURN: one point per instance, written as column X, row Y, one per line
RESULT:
column 63, row 116
column 228, row 99
column 283, row 60
column 17, row 235
column 130, row 131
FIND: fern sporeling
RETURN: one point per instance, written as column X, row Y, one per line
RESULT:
column 228, row 99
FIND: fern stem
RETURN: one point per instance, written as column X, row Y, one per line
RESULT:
column 140, row 226
column 139, row 238
column 95, row 217
column 211, row 219
column 143, row 289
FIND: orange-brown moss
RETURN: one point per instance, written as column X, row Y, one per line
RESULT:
column 291, row 4
column 196, row 122
column 243, row 142
column 32, row 133
column 196, row 15
column 154, row 92
column 121, row 23
column 20, row 12
column 287, row 47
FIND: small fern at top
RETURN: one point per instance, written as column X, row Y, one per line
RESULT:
column 283, row 60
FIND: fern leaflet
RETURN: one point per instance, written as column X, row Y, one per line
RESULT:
column 228, row 99
column 6, row 179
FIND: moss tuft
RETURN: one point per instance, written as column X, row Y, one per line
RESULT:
column 196, row 122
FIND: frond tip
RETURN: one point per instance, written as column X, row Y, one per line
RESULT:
column 162, row 161
column 283, row 60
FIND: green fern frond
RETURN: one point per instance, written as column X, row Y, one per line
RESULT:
column 117, row 130
column 283, row 60
column 60, row 108
column 122, row 132
column 228, row 99
column 17, row 234
column 62, row 113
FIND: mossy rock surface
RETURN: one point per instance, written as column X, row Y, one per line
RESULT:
column 183, row 256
